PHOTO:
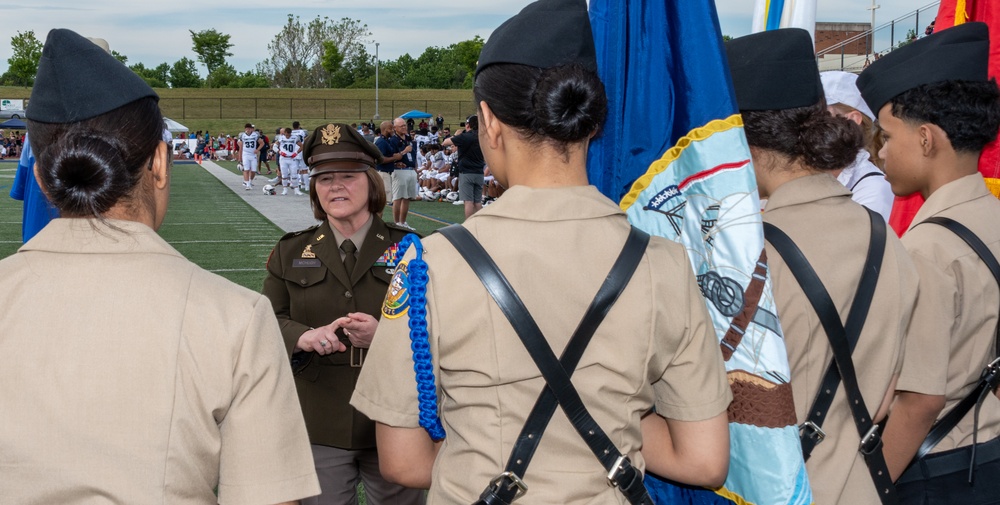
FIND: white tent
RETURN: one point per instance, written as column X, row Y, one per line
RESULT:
column 174, row 126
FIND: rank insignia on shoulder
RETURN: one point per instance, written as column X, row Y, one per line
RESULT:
column 397, row 298
column 308, row 252
column 391, row 256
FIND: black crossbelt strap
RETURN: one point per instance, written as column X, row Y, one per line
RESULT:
column 843, row 339
column 991, row 374
column 559, row 390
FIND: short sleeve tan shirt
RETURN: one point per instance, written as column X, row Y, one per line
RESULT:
column 833, row 233
column 655, row 348
column 951, row 337
column 130, row 375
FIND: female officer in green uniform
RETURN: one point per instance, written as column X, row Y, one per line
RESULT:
column 326, row 284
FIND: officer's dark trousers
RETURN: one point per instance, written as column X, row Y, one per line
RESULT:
column 943, row 478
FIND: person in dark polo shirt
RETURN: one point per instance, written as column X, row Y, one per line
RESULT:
column 470, row 166
column 391, row 154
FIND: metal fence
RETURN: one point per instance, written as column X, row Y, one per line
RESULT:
column 454, row 111
column 878, row 42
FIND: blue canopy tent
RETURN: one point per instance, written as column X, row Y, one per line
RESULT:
column 416, row 114
column 14, row 124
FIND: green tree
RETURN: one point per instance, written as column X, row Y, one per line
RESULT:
column 212, row 48
column 184, row 74
column 223, row 77
column 300, row 54
column 451, row 67
column 155, row 77
column 23, row 62
column 120, row 57
column 357, row 71
column 331, row 59
column 911, row 35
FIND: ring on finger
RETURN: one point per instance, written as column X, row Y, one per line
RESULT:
column 324, row 343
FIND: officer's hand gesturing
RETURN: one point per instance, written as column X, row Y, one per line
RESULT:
column 322, row 340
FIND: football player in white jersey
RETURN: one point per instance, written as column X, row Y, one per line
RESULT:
column 290, row 152
column 301, row 135
column 249, row 154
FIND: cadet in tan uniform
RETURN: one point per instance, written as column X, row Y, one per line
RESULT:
column 326, row 284
column 938, row 110
column 129, row 374
column 796, row 145
column 656, row 347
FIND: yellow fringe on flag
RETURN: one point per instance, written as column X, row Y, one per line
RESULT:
column 960, row 15
column 993, row 185
column 658, row 166
column 731, row 496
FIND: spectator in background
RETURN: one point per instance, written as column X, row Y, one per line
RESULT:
column 409, row 124
column 423, row 125
column 440, row 121
column 367, row 133
column 404, row 177
column 930, row 28
column 470, row 166
column 863, row 177
column 265, row 150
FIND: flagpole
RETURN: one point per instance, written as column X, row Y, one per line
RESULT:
column 872, row 8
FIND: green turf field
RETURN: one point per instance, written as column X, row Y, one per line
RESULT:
column 212, row 226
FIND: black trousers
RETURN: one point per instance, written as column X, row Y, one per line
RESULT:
column 943, row 478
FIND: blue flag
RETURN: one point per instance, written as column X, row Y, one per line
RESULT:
column 674, row 154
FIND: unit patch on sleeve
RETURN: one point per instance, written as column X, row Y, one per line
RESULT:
column 397, row 298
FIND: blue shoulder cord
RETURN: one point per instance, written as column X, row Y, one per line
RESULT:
column 416, row 284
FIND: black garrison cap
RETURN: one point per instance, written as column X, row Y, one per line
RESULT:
column 79, row 80
column 959, row 53
column 774, row 70
column 544, row 34
column 336, row 147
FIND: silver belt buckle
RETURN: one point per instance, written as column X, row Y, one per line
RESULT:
column 613, row 472
column 357, row 358
column 515, row 481
column 810, row 430
column 871, row 441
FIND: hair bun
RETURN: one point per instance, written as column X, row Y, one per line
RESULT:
column 87, row 175
column 569, row 103
column 829, row 142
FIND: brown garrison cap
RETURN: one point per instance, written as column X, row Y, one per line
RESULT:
column 336, row 147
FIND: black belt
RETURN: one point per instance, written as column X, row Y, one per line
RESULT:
column 508, row 486
column 949, row 462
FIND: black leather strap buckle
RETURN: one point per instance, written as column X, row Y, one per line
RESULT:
column 810, row 430
column 512, row 481
column 616, row 468
column 871, row 442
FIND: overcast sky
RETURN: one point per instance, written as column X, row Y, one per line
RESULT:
column 153, row 31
